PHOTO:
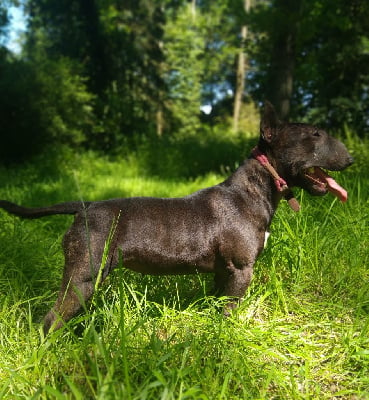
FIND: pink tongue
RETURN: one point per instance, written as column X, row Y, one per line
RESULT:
column 336, row 189
column 332, row 185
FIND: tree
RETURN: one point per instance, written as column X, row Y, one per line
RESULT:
column 117, row 46
column 284, row 25
column 184, row 46
column 240, row 73
column 103, row 70
column 309, row 59
column 331, row 77
column 4, row 20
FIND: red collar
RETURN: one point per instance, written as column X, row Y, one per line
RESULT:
column 280, row 183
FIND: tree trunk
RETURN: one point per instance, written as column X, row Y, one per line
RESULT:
column 240, row 73
column 159, row 121
column 280, row 83
column 193, row 8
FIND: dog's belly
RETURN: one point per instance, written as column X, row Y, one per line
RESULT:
column 150, row 268
column 149, row 261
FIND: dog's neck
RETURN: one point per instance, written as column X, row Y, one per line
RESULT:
column 254, row 184
column 279, row 182
column 258, row 184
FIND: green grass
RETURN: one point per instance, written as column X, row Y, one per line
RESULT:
column 302, row 331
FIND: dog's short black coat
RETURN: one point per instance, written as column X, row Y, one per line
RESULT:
column 220, row 229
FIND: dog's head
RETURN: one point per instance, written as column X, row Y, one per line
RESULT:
column 301, row 153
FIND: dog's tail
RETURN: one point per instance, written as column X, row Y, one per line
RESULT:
column 73, row 207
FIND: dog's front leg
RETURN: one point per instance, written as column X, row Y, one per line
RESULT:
column 237, row 281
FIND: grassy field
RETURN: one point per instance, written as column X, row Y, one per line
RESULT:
column 302, row 331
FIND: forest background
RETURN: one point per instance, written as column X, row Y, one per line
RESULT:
column 107, row 74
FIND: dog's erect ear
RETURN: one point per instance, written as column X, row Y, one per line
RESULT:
column 269, row 122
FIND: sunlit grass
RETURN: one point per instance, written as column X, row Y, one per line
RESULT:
column 302, row 331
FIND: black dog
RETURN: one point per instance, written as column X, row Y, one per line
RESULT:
column 220, row 229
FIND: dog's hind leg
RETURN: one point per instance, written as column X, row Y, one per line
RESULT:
column 76, row 288
column 68, row 304
column 83, row 257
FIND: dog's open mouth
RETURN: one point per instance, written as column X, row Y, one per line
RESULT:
column 322, row 183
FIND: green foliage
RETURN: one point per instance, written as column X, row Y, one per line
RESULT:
column 22, row 130
column 199, row 48
column 41, row 107
column 211, row 150
column 330, row 52
column 184, row 45
column 66, row 105
column 301, row 332
column 4, row 20
column 117, row 50
column 98, row 73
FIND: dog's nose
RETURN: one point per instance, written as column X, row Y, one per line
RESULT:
column 350, row 161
